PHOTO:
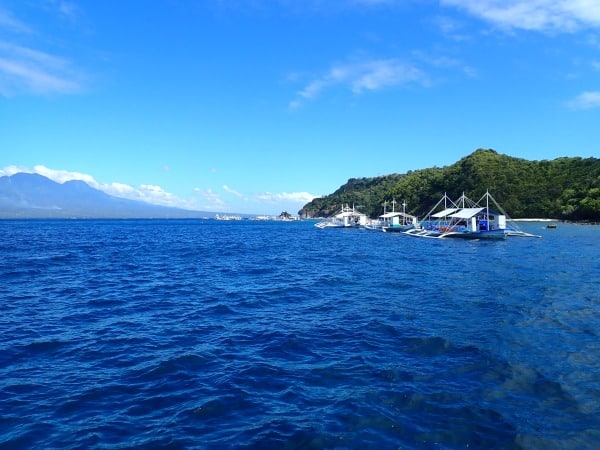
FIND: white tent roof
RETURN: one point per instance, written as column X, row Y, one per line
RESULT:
column 394, row 214
column 444, row 213
column 349, row 214
column 466, row 213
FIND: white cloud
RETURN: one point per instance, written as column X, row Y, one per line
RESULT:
column 68, row 10
column 258, row 203
column 211, row 201
column 445, row 62
column 294, row 197
column 11, row 170
column 233, row 192
column 60, row 176
column 361, row 76
column 535, row 15
column 120, row 190
column 586, row 100
column 451, row 28
column 156, row 194
column 10, row 23
column 148, row 193
column 275, row 203
column 373, row 2
column 25, row 69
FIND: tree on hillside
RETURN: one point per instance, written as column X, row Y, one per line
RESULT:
column 564, row 188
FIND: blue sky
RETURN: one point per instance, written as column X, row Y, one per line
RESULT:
column 257, row 106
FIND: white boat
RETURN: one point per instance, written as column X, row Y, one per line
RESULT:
column 227, row 217
column 399, row 221
column 465, row 219
column 394, row 221
column 345, row 218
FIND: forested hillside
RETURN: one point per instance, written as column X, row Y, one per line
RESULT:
column 563, row 188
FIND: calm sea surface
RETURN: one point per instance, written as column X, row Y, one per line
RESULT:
column 206, row 334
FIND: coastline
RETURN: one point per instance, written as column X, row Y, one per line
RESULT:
column 536, row 220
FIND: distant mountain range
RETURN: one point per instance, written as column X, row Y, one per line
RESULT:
column 26, row 195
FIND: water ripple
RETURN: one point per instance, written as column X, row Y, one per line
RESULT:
column 200, row 334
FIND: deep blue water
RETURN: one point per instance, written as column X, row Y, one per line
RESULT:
column 205, row 334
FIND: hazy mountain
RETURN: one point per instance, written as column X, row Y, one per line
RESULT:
column 26, row 195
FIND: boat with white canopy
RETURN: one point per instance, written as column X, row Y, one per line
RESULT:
column 466, row 219
column 347, row 217
column 393, row 221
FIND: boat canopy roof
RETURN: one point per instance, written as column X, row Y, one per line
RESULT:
column 466, row 213
column 394, row 214
column 349, row 214
column 444, row 213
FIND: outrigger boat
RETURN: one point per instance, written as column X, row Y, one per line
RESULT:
column 400, row 221
column 394, row 221
column 465, row 219
column 345, row 218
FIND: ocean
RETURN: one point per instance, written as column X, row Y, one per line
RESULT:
column 119, row 334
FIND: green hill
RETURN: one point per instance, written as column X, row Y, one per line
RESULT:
column 563, row 188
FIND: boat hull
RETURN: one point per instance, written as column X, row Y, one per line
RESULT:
column 484, row 234
column 436, row 234
column 335, row 224
column 397, row 229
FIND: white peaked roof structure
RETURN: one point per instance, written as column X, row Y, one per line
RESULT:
column 446, row 212
column 466, row 213
column 395, row 214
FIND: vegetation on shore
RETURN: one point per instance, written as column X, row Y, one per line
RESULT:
column 563, row 188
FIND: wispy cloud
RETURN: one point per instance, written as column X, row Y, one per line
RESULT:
column 148, row 193
column 534, row 15
column 68, row 10
column 444, row 63
column 361, row 76
column 264, row 202
column 10, row 23
column 267, row 200
column 210, row 200
column 295, row 197
column 451, row 28
column 233, row 192
column 282, row 201
column 586, row 100
column 26, row 68
column 373, row 2
column 11, row 170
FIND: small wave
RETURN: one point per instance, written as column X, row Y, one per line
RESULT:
column 181, row 364
column 50, row 346
column 269, row 336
